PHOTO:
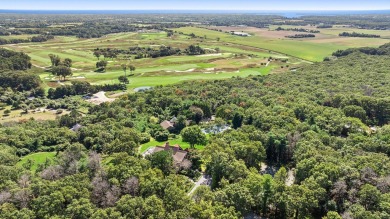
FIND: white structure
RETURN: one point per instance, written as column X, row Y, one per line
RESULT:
column 241, row 34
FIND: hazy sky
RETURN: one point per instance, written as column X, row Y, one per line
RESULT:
column 196, row 4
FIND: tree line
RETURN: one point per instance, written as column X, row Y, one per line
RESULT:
column 40, row 38
column 354, row 34
column 147, row 52
column 382, row 50
column 81, row 88
column 297, row 30
column 301, row 36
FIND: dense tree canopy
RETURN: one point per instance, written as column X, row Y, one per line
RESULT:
column 10, row 60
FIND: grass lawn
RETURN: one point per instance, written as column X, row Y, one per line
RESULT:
column 37, row 158
column 178, row 141
column 153, row 77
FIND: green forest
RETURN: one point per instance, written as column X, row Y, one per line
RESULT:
column 312, row 142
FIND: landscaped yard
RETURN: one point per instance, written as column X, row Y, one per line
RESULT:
column 37, row 158
column 179, row 141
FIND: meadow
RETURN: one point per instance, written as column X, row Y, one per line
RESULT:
column 19, row 115
column 311, row 49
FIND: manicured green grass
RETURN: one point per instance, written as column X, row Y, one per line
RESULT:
column 179, row 59
column 152, row 36
column 242, row 51
column 155, row 80
column 37, row 158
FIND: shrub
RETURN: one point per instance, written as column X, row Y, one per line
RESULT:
column 161, row 136
column 7, row 112
column 144, row 138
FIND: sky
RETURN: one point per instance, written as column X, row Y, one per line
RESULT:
column 195, row 4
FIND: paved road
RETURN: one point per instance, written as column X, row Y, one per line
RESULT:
column 201, row 181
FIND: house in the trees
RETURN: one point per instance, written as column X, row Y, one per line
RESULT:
column 76, row 127
column 178, row 154
column 167, row 125
column 173, row 120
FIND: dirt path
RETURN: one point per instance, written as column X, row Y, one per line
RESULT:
column 208, row 55
column 39, row 66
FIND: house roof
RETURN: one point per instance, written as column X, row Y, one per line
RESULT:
column 173, row 120
column 166, row 124
column 178, row 153
column 76, row 127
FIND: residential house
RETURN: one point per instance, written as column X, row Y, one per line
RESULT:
column 167, row 125
column 76, row 127
column 178, row 153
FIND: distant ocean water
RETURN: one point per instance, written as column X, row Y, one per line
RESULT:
column 289, row 14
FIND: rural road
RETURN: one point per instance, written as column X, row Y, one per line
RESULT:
column 201, row 181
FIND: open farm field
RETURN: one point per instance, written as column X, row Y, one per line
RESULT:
column 22, row 36
column 310, row 49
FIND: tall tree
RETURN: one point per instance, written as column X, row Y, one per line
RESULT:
column 67, row 62
column 131, row 68
column 162, row 160
column 124, row 68
column 237, row 120
column 54, row 59
column 97, row 54
column 123, row 79
column 193, row 135
column 101, row 65
column 369, row 197
column 62, row 70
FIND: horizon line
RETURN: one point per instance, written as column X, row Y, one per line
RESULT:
column 194, row 10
